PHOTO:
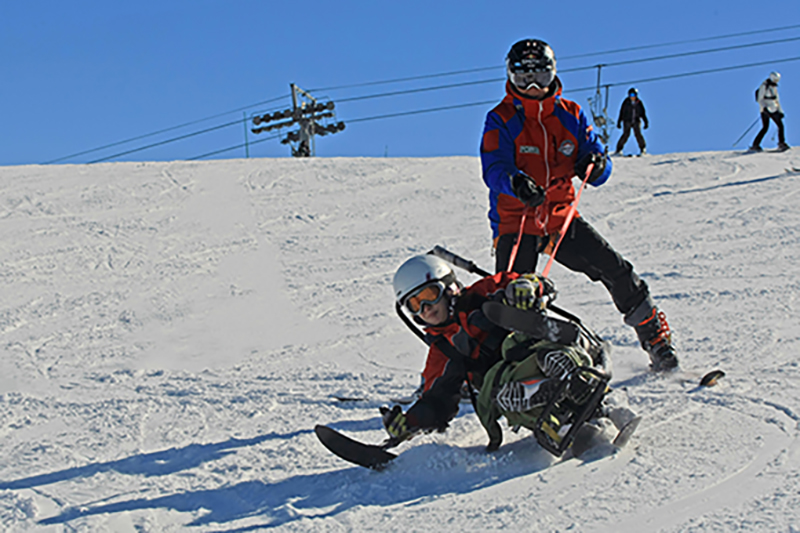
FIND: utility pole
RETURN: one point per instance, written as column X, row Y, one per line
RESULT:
column 305, row 115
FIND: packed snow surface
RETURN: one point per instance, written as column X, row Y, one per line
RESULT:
column 172, row 332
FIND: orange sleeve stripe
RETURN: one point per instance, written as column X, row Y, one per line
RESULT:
column 491, row 141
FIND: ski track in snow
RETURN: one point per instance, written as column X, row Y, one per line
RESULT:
column 172, row 332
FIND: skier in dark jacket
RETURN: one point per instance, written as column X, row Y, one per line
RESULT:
column 630, row 113
column 534, row 143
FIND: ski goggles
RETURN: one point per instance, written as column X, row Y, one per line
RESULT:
column 524, row 79
column 427, row 294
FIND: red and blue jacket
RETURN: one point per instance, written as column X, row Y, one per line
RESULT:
column 467, row 343
column 542, row 138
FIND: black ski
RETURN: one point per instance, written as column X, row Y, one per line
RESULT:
column 370, row 456
column 533, row 323
column 626, row 432
column 710, row 379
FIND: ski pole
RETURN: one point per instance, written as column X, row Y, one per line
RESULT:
column 746, row 132
column 573, row 208
column 460, row 262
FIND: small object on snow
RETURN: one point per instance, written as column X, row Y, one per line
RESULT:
column 710, row 379
column 349, row 398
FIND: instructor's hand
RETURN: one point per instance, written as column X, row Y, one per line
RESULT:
column 526, row 190
column 599, row 161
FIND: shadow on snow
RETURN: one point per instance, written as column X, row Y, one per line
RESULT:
column 150, row 464
column 422, row 471
column 723, row 185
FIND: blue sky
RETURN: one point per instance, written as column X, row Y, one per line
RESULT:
column 83, row 74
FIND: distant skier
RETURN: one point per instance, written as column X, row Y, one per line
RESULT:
column 630, row 113
column 464, row 344
column 534, row 143
column 770, row 106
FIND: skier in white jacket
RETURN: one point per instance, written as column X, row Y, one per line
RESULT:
column 770, row 106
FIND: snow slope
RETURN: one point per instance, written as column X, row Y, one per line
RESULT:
column 172, row 332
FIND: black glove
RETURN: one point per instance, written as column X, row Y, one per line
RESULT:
column 396, row 423
column 526, row 190
column 646, row 124
column 599, row 161
column 619, row 125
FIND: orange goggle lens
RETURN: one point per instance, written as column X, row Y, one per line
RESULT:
column 429, row 294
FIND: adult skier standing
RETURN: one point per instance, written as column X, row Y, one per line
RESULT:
column 534, row 142
column 630, row 113
column 770, row 106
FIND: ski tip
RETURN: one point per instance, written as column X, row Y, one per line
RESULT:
column 626, row 432
column 710, row 379
column 371, row 456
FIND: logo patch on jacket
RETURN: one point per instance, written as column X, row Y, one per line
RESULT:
column 566, row 148
column 528, row 149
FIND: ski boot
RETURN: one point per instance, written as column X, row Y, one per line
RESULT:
column 755, row 148
column 654, row 335
column 782, row 147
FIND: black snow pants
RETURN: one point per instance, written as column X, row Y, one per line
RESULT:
column 626, row 132
column 582, row 250
column 778, row 119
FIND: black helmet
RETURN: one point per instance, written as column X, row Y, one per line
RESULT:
column 633, row 92
column 530, row 63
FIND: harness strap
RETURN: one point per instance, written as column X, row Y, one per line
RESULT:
column 454, row 355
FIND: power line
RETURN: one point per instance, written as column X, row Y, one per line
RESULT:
column 575, row 69
column 146, row 135
column 167, row 141
column 698, row 52
column 590, row 54
column 493, row 101
column 708, row 71
column 580, row 89
column 458, row 106
column 231, row 148
column 420, row 90
column 459, row 85
column 467, row 71
column 421, row 111
column 687, row 41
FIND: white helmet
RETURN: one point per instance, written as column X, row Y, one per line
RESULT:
column 775, row 77
column 418, row 271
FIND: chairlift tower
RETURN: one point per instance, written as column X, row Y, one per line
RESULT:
column 305, row 113
column 599, row 109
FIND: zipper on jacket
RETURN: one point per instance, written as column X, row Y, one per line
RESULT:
column 541, row 208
